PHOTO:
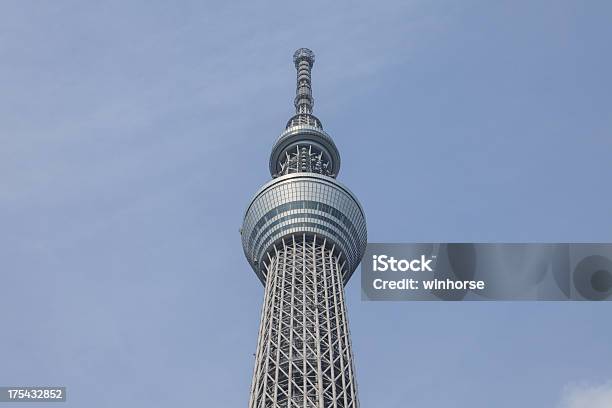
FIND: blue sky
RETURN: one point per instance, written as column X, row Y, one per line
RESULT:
column 133, row 134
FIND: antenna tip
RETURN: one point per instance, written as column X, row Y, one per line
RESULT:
column 303, row 54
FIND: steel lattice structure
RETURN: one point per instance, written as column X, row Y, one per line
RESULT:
column 304, row 234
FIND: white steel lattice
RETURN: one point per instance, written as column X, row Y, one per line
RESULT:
column 304, row 356
column 305, row 158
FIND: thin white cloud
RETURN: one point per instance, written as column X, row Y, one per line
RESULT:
column 587, row 396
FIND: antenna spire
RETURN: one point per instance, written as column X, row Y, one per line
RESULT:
column 303, row 59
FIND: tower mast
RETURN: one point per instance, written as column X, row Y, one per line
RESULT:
column 304, row 235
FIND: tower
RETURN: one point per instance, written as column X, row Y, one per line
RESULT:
column 304, row 234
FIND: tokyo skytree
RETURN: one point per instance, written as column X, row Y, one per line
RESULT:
column 304, row 234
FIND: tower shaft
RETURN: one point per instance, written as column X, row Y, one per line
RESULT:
column 304, row 356
column 304, row 234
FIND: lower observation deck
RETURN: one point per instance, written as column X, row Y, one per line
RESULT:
column 304, row 203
